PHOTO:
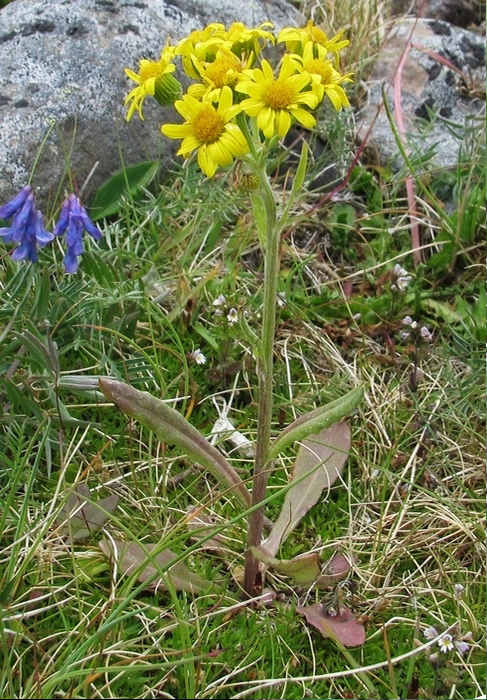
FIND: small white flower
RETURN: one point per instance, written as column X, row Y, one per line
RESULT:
column 459, row 588
column 407, row 320
column 462, row 647
column 197, row 356
column 446, row 643
column 426, row 334
column 399, row 271
column 219, row 301
column 403, row 278
column 414, row 325
column 232, row 316
column 430, row 633
column 357, row 317
column 404, row 334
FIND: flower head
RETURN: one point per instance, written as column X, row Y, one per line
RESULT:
column 27, row 227
column 73, row 220
column 201, row 44
column 296, row 39
column 314, row 61
column 402, row 278
column 430, row 633
column 458, row 587
column 232, row 316
column 446, row 643
column 225, row 69
column 197, row 356
column 462, row 647
column 153, row 79
column 276, row 101
column 245, row 41
column 209, row 130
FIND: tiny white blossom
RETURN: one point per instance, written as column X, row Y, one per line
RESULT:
column 232, row 316
column 403, row 278
column 446, row 643
column 219, row 301
column 414, row 325
column 404, row 334
column 426, row 334
column 430, row 633
column 462, row 647
column 197, row 356
column 357, row 317
column 459, row 588
column 407, row 320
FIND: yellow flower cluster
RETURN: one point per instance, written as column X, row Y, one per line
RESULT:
column 233, row 80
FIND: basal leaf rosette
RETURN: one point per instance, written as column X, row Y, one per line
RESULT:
column 209, row 129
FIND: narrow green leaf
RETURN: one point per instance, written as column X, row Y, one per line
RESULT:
column 170, row 426
column 316, row 420
column 260, row 215
column 301, row 170
column 109, row 197
column 132, row 558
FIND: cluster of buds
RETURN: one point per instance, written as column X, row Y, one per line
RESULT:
column 238, row 95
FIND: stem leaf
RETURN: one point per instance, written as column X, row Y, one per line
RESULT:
column 323, row 456
column 301, row 170
column 316, row 420
column 171, row 427
column 132, row 558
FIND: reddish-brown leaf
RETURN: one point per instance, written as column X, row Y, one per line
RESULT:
column 343, row 627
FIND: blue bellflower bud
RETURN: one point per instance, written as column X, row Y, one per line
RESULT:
column 73, row 220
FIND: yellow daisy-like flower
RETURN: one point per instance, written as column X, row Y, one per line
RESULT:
column 275, row 101
column 201, row 44
column 150, row 72
column 244, row 39
column 296, row 39
column 329, row 77
column 226, row 69
column 209, row 130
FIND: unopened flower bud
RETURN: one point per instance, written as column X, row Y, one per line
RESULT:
column 167, row 89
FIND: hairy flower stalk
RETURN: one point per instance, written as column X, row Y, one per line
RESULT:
column 265, row 378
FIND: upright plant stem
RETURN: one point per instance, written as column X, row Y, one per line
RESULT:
column 270, row 240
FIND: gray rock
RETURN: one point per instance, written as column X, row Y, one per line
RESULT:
column 433, row 95
column 62, row 84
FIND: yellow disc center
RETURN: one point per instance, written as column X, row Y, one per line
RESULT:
column 208, row 125
column 279, row 95
column 149, row 69
column 223, row 71
column 323, row 68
